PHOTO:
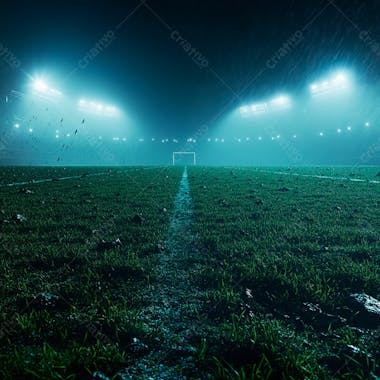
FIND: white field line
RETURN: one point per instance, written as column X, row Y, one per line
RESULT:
column 31, row 182
column 318, row 176
column 43, row 180
column 172, row 300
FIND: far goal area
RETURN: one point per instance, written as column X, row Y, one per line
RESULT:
column 184, row 158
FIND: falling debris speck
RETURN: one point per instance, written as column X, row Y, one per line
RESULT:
column 19, row 218
column 47, row 301
column 25, row 191
column 107, row 245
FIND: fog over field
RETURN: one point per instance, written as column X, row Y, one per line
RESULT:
column 189, row 190
column 267, row 83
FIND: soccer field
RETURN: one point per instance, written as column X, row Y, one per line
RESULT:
column 208, row 272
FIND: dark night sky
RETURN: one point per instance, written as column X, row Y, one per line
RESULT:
column 153, row 78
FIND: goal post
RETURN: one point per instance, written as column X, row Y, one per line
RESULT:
column 179, row 155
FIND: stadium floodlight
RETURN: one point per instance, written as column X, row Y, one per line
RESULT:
column 280, row 102
column 337, row 82
column 259, row 108
column 244, row 110
column 41, row 87
column 253, row 109
column 97, row 108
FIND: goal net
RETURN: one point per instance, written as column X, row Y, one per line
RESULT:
column 184, row 158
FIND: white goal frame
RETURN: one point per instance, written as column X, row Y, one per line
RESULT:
column 185, row 153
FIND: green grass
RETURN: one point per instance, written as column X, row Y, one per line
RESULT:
column 267, row 243
column 287, row 240
column 11, row 174
column 54, row 251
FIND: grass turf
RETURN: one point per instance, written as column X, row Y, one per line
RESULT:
column 267, row 244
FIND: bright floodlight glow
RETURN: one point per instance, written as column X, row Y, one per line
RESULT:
column 17, row 125
column 259, row 108
column 321, row 134
column 336, row 82
column 42, row 87
column 367, row 124
column 349, row 128
column 339, row 130
column 97, row 108
column 253, row 109
column 244, row 109
column 278, row 103
column 30, row 130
